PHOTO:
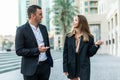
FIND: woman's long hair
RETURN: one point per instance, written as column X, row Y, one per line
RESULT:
column 84, row 28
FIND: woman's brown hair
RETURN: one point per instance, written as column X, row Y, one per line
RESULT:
column 84, row 28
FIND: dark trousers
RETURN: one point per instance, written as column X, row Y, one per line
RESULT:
column 42, row 72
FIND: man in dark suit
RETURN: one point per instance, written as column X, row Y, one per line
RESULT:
column 32, row 44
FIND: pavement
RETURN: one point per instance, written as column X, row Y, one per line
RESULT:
column 9, row 62
column 103, row 67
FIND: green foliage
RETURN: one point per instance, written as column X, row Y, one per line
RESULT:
column 64, row 11
column 6, row 44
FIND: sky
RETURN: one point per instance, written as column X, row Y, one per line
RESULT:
column 8, row 17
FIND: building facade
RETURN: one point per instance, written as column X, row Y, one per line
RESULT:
column 104, row 21
column 96, row 21
column 23, row 6
column 112, row 41
column 89, row 6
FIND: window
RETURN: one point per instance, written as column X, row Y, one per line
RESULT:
column 93, row 10
column 57, row 33
column 112, row 23
column 86, row 9
column 108, row 26
column 113, row 40
column 106, row 42
column 96, row 31
column 93, row 3
column 116, row 20
column 109, row 41
column 57, row 28
column 86, row 3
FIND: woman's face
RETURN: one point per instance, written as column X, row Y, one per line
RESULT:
column 75, row 22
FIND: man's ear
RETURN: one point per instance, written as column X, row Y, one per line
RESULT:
column 32, row 15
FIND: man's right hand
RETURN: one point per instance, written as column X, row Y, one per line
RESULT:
column 42, row 48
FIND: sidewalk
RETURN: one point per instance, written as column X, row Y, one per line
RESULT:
column 16, row 75
column 12, row 75
column 103, row 67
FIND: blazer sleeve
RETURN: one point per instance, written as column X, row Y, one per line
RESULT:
column 65, row 55
column 20, row 47
column 92, row 48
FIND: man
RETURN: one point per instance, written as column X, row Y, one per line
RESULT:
column 32, row 44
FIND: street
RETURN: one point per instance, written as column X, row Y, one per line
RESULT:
column 103, row 67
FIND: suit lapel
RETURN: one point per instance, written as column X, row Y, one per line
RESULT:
column 81, row 44
column 43, row 33
column 73, row 42
column 31, row 33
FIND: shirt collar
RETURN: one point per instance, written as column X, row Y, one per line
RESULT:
column 33, row 27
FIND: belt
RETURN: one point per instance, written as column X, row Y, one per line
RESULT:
column 41, row 62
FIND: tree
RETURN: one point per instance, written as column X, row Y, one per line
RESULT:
column 64, row 11
column 6, row 44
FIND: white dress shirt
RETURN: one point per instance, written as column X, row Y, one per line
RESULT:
column 39, row 38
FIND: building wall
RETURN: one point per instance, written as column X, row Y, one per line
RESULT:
column 78, row 4
column 22, row 12
column 112, row 11
column 96, row 21
column 101, row 33
column 105, row 17
column 113, row 20
column 23, row 6
column 89, row 6
column 103, row 7
column 44, row 3
column 118, row 27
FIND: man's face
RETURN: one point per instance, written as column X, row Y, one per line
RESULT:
column 38, row 16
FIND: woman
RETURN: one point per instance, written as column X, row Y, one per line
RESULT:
column 78, row 48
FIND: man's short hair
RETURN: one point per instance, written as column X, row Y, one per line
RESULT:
column 32, row 9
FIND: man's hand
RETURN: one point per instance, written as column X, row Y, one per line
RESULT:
column 42, row 48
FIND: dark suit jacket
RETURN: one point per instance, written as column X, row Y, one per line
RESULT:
column 86, row 50
column 27, row 47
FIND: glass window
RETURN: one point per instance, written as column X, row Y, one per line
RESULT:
column 116, row 21
column 57, row 33
column 108, row 26
column 86, row 3
column 112, row 23
column 86, row 9
column 109, row 41
column 93, row 10
column 96, row 31
column 93, row 3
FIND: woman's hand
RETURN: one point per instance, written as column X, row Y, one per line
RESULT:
column 99, row 42
column 66, row 73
